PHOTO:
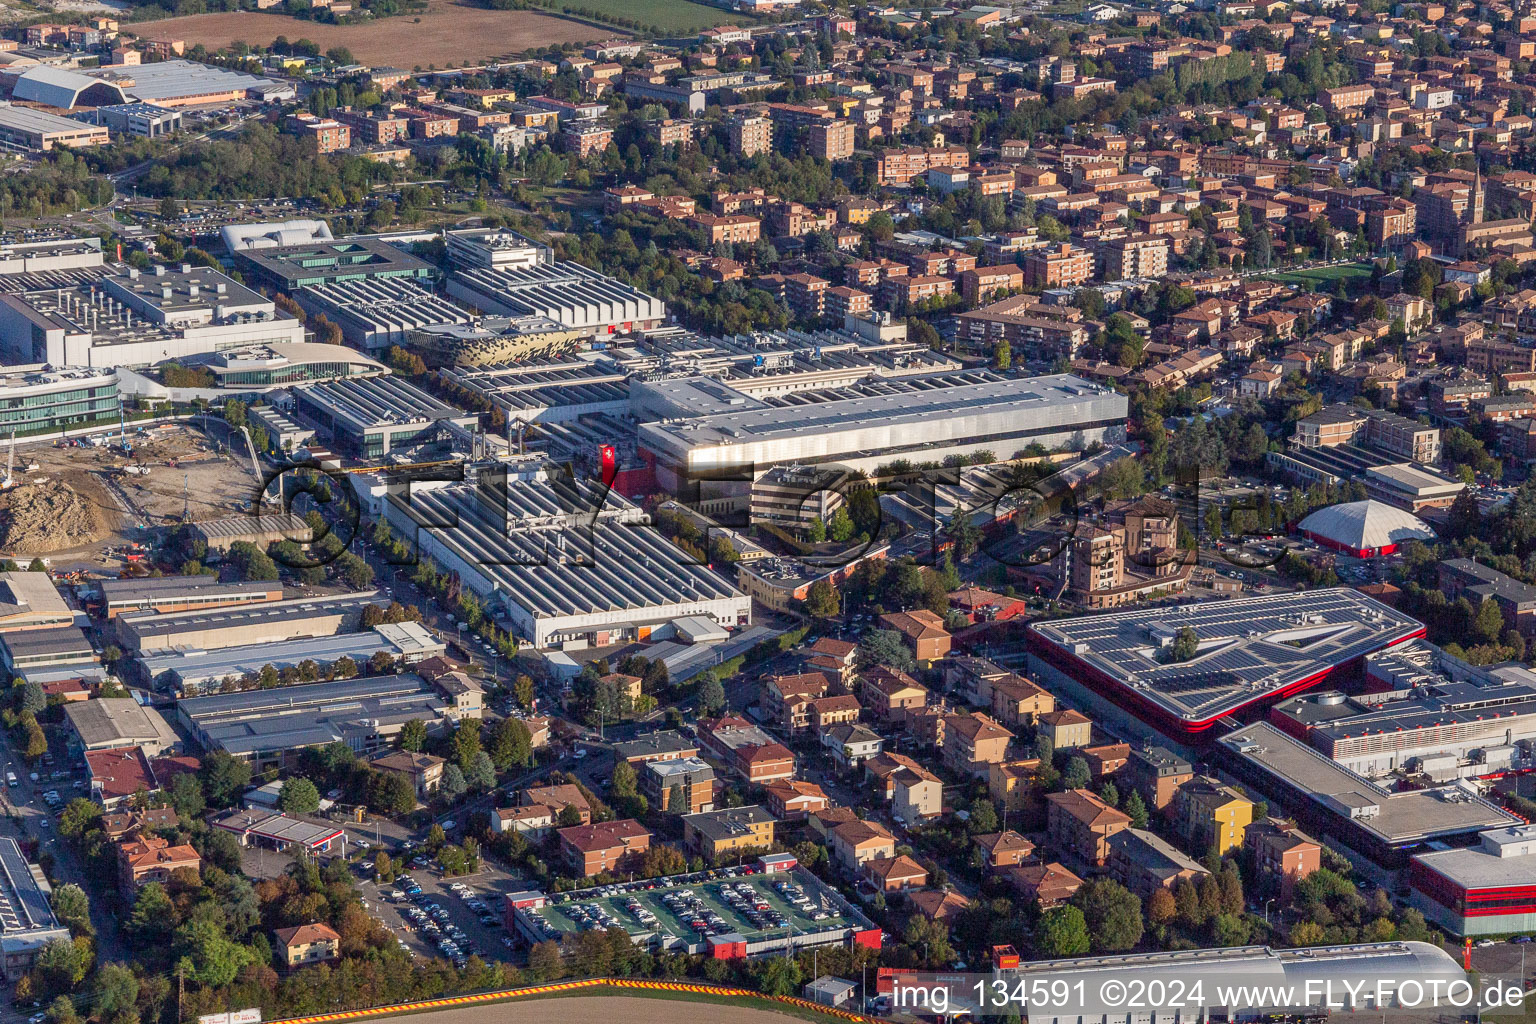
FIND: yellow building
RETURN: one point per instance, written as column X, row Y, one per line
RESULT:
column 1208, row 813
column 713, row 834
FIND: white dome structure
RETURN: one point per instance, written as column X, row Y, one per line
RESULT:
column 1364, row 528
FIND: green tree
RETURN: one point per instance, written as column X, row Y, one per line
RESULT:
column 1113, row 915
column 33, row 700
column 1076, row 775
column 522, row 692
column 1002, row 355
column 711, row 696
column 79, row 817
column 115, row 991
column 224, row 778
column 822, row 600
column 511, row 744
column 153, row 915
column 1062, row 932
column 413, row 735
column 841, row 528
column 298, row 796
column 1186, row 644
column 214, row 959
column 73, row 908
column 482, row 773
column 1136, row 809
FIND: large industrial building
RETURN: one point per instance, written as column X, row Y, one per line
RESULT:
column 132, row 318
column 562, row 561
column 40, row 399
column 181, row 593
column 1252, row 651
column 254, row 370
column 1384, row 825
column 268, row 726
column 314, row 264
column 194, row 670
column 26, row 128
column 1487, row 889
column 375, row 313
column 273, row 622
column 573, row 295
column 1209, row 974
column 1426, row 713
column 167, row 83
column 370, row 416
column 921, row 419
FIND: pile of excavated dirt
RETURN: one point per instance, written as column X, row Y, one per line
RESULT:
column 39, row 518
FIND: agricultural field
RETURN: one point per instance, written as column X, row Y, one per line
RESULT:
column 451, row 32
column 673, row 17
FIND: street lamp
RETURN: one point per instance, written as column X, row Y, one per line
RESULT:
column 1266, row 910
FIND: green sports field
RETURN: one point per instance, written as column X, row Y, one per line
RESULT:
column 1321, row 275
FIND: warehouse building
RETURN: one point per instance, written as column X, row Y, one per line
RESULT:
column 577, row 297
column 45, row 648
column 562, row 563
column 30, row 601
column 922, row 419
column 271, row 726
column 40, row 399
column 1425, row 713
column 29, row 129
column 182, row 593
column 27, row 924
column 547, row 390
column 145, row 120
column 1329, row 799
column 108, row 722
column 220, row 534
column 19, row 259
column 274, row 622
column 1205, row 973
column 1487, row 889
column 168, row 83
column 136, row 319
column 194, row 670
column 375, row 313
column 1252, row 651
column 314, row 264
column 494, row 249
column 370, row 416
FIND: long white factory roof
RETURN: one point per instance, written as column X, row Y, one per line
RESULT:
column 553, row 289
column 909, row 400
column 385, row 302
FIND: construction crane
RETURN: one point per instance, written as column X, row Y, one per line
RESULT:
column 255, row 465
column 122, row 430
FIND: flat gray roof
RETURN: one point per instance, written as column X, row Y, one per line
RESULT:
column 931, row 399
column 298, row 610
column 1400, row 818
column 1250, row 648
column 159, row 588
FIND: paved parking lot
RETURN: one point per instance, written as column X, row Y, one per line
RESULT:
column 454, row 910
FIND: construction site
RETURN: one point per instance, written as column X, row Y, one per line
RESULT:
column 97, row 496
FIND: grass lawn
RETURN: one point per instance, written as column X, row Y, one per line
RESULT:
column 1342, row 272
column 675, row 17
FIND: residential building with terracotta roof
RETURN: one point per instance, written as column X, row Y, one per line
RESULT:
column 1082, row 824
column 923, row 631
column 423, row 771
column 889, row 693
column 974, row 741
column 917, row 795
column 1047, row 885
column 145, row 859
column 1004, row 849
column 559, row 797
column 1208, row 813
column 306, row 944
column 855, row 842
column 603, row 847
column 895, row 874
column 1067, row 728
column 1143, row 863
column 794, row 799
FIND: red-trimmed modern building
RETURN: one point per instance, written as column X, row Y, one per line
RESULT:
column 1488, row 889
column 1252, row 653
column 1364, row 529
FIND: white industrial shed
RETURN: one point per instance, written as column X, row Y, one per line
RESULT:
column 66, row 89
column 1364, row 528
